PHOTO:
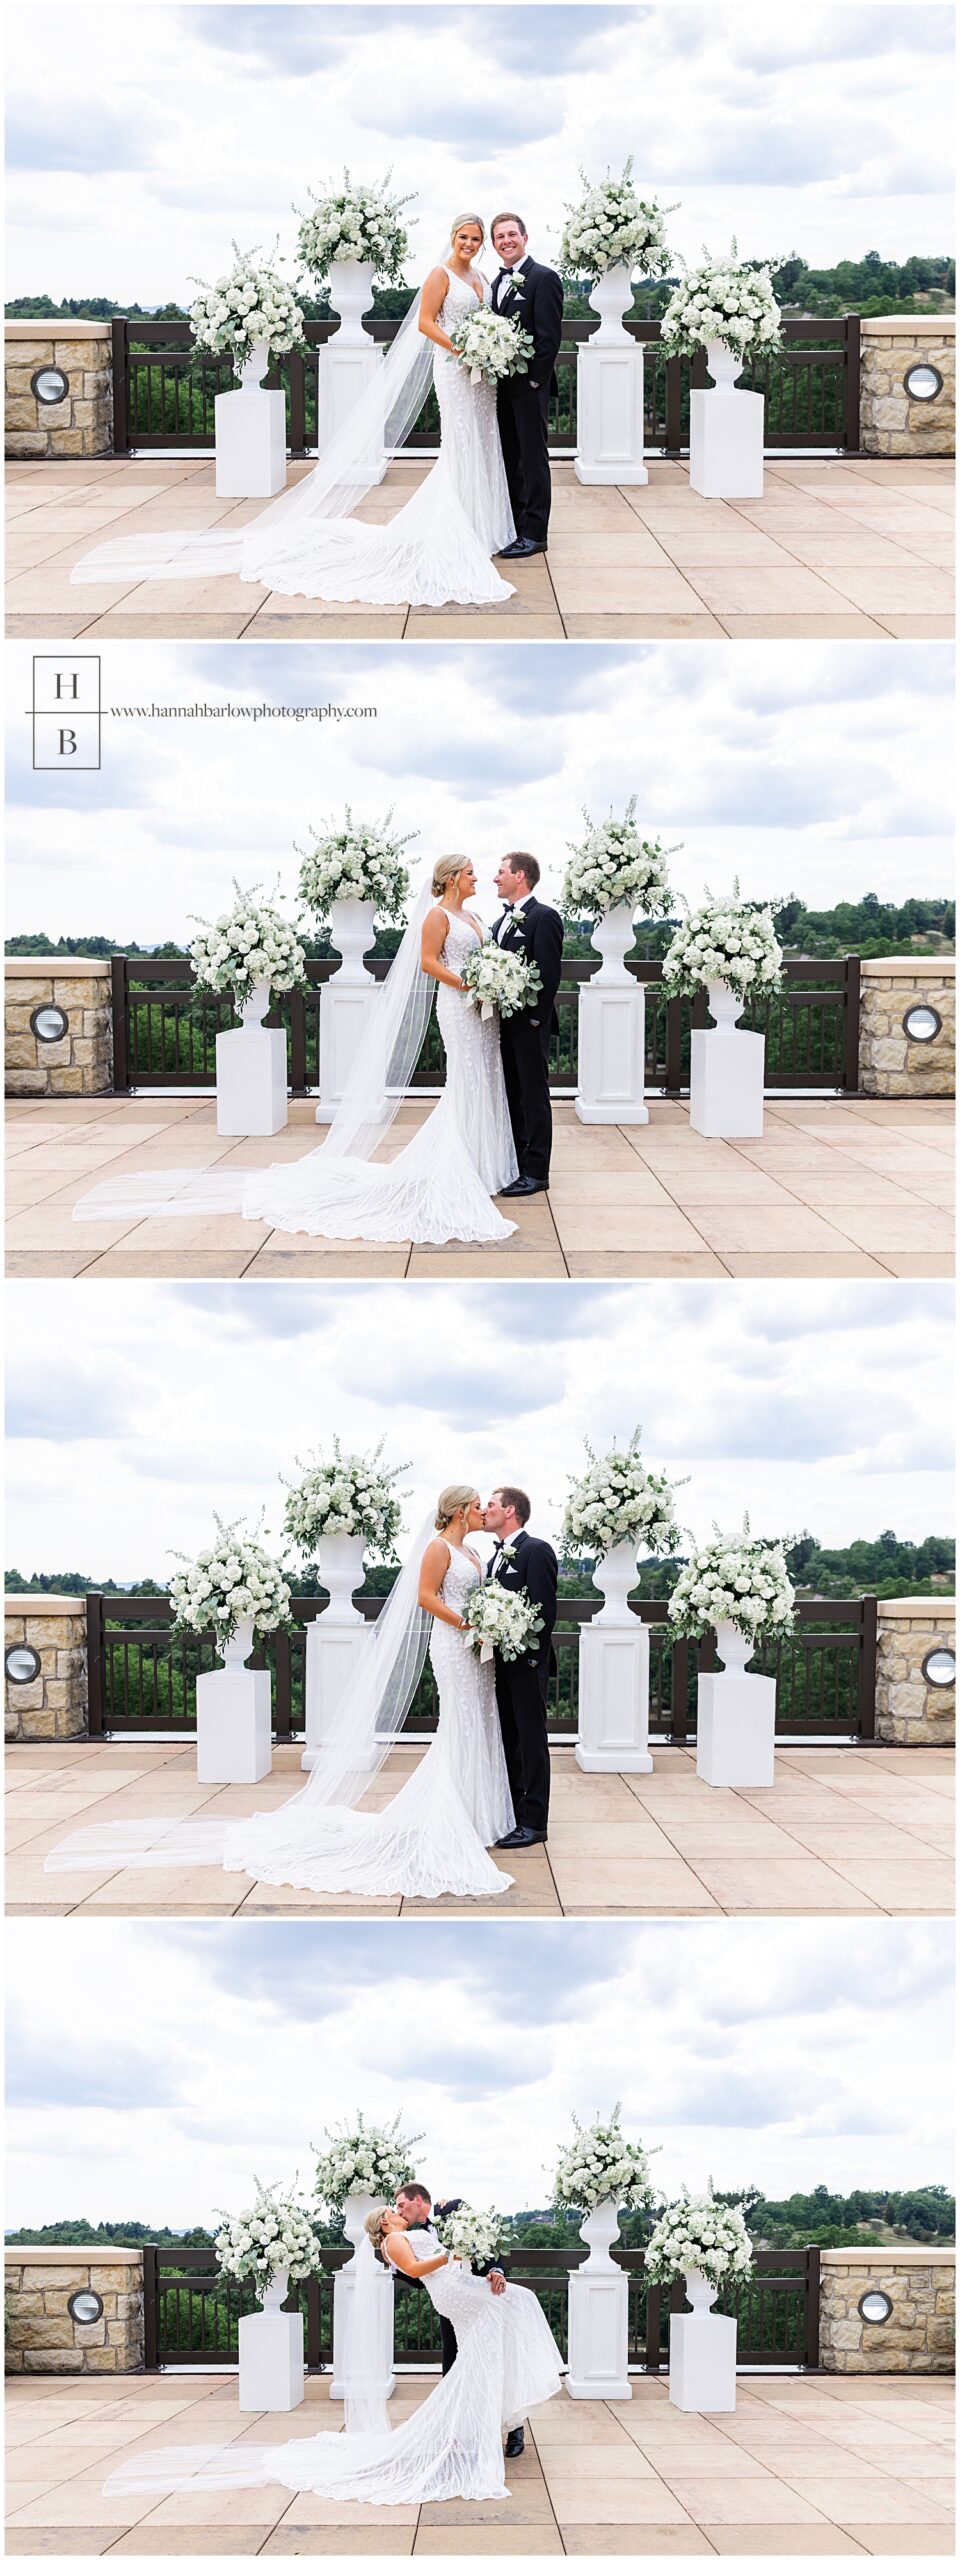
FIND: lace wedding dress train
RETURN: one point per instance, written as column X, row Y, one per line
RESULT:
column 507, row 2363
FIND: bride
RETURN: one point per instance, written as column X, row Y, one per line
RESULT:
column 437, row 1189
column 433, row 1836
column 451, row 2447
column 436, row 549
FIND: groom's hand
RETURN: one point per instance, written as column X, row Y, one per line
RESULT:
column 497, row 2281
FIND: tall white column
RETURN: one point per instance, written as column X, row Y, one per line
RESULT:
column 610, row 393
column 335, row 1643
column 726, row 432
column 736, row 1718
column 355, row 2211
column 597, row 2324
column 349, row 362
column 347, row 1000
column 250, row 435
column 614, row 1682
column 271, row 2353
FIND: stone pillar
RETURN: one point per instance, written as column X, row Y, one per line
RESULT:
column 82, row 421
column 918, row 2334
column 891, row 1062
column 911, row 1708
column 53, row 1706
column 892, row 423
column 42, row 2334
column 82, row 1060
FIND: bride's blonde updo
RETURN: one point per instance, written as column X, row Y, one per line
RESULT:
column 453, row 1499
column 374, row 2223
column 447, row 866
column 467, row 217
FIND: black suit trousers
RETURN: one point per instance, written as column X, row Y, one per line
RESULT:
column 522, row 1702
column 448, row 2344
column 522, row 420
column 525, row 1053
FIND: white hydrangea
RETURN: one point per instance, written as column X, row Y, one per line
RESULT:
column 355, row 860
column 617, row 1498
column 251, row 306
column 471, row 2234
column 234, row 1579
column 614, row 866
column 490, row 347
column 601, row 2163
column 249, row 945
column 724, row 300
column 613, row 226
column 367, row 2160
column 737, row 1577
column 354, row 222
column 699, row 2233
column 277, row 2233
column 500, row 1622
column 345, row 1496
column 727, row 940
column 502, row 982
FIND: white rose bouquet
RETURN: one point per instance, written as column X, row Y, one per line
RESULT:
column 489, row 346
column 370, row 2160
column 739, row 1577
column 251, row 943
column 352, row 222
column 698, row 2232
column 725, row 300
column 345, row 1496
column 616, row 1498
column 232, row 1580
column 726, row 939
column 500, row 1621
column 613, row 226
column 600, row 2162
column 614, row 866
column 471, row 2235
column 500, row 982
column 276, row 2232
column 355, row 860
column 251, row 307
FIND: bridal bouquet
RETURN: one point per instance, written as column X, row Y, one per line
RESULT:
column 250, row 945
column 698, row 2232
column 489, row 346
column 601, row 2163
column 232, row 1580
column 471, row 2235
column 251, row 307
column 724, row 300
column 737, row 1577
column 617, row 1498
column 274, row 2233
column 344, row 1496
column 615, row 866
column 500, row 1621
column 727, row 940
column 500, row 982
column 352, row 222
column 373, row 2160
column 614, row 227
column 355, row 860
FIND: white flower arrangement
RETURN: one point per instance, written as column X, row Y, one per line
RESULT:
column 498, row 981
column 250, row 944
column 618, row 1498
column 500, row 1621
column 613, row 226
column 355, row 860
column 601, row 2163
column 724, row 300
column 489, row 346
column 615, row 866
column 345, row 1496
column 725, row 939
column 738, row 1577
column 232, row 1580
column 252, row 306
column 700, row 2233
column 354, row 222
column 471, row 2235
column 370, row 2160
column 273, row 2234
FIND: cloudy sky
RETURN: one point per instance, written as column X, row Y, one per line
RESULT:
column 135, row 1413
column 805, row 769
column 137, row 2083
column 144, row 140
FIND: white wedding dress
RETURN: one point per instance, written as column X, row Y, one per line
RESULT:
column 507, row 2363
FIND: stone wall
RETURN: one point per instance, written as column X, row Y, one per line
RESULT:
column 890, row 1063
column 52, row 1708
column 890, row 421
column 81, row 423
column 909, row 1708
column 42, row 2336
column 82, row 1062
column 918, row 2336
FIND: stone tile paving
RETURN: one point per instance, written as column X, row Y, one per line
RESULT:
column 808, row 2464
column 863, row 1829
column 835, row 1189
column 834, row 549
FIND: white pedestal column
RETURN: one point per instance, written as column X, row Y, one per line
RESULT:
column 597, row 2315
column 726, row 433
column 349, row 362
column 250, row 435
column 736, row 1719
column 335, row 1642
column 271, row 2354
column 346, row 1001
column 251, row 1082
column 355, row 2211
column 610, row 393
column 703, row 2352
column 726, row 1072
column 614, row 1685
column 233, row 1719
column 611, row 1031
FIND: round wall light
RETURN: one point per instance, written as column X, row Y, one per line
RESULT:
column 49, row 1022
column 922, row 382
column 21, row 1664
column 922, row 1022
column 874, row 2307
column 85, row 2309
column 939, row 1667
column 50, row 385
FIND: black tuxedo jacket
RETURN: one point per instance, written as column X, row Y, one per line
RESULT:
column 533, row 1570
column 538, row 306
column 537, row 931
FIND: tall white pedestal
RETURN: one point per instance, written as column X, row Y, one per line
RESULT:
column 271, row 2360
column 610, row 416
column 726, row 1082
column 703, row 2361
column 726, row 443
column 233, row 1728
column 613, row 1731
column 736, row 1716
column 345, row 371
column 250, row 431
column 597, row 2347
column 334, row 1653
column 251, row 1081
column 342, row 2379
column 345, row 1016
column 612, row 1022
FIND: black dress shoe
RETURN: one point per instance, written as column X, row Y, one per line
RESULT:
column 514, row 2443
column 522, row 1187
column 521, row 1838
column 522, row 549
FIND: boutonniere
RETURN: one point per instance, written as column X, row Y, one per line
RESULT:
column 508, row 1552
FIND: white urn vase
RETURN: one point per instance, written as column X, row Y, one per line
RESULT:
column 355, row 2211
column 275, row 2290
column 610, row 419
column 253, row 1008
column 351, row 294
column 703, row 2350
column 726, row 431
column 726, row 1070
column 252, row 1071
column 347, row 1000
column 736, row 1716
column 597, row 2297
column 335, row 1642
column 701, row 2292
column 353, row 924
column 611, row 1030
column 734, row 1648
column 270, row 2343
column 234, row 1719
column 250, row 433
column 615, row 1575
column 613, row 1724
column 238, row 1646
column 253, row 367
column 600, row 2228
column 613, row 935
column 348, row 364
column 724, row 365
column 612, row 296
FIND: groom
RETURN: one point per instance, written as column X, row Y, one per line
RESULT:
column 535, row 930
column 527, row 1564
column 532, row 295
column 413, row 2204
